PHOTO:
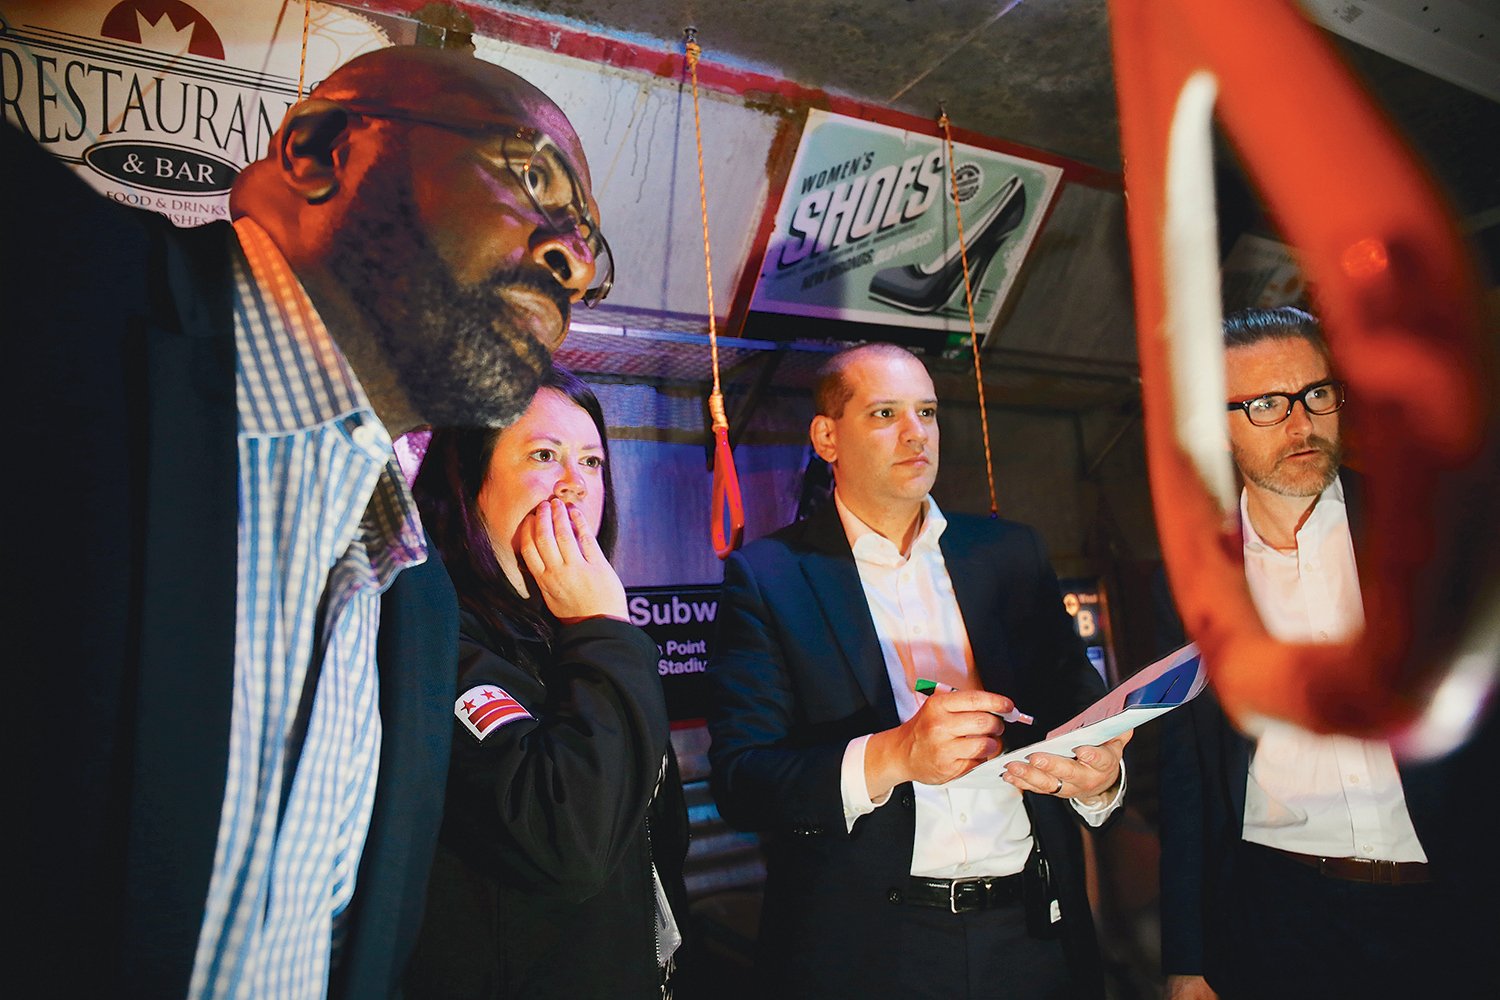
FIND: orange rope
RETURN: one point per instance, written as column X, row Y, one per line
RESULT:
column 963, row 256
column 726, row 501
column 693, row 52
column 302, row 66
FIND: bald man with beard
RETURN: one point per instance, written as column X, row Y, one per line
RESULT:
column 237, row 655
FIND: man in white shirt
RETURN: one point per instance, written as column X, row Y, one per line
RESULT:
column 881, row 880
column 1291, row 863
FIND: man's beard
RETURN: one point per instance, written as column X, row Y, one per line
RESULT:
column 1294, row 482
column 459, row 353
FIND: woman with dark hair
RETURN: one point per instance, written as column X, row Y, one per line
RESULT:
column 559, row 865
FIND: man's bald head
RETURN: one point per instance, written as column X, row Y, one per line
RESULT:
column 400, row 192
column 429, row 81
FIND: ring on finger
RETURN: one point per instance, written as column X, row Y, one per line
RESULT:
column 1059, row 788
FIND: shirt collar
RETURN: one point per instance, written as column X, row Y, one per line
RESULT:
column 871, row 546
column 1326, row 513
column 291, row 374
column 391, row 530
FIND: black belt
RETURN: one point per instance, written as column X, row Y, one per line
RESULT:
column 960, row 895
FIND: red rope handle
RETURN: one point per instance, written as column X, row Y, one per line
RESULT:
column 726, row 501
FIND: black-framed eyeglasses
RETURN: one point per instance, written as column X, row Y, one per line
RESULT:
column 541, row 170
column 1271, row 408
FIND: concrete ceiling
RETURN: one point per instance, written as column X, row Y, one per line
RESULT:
column 1035, row 72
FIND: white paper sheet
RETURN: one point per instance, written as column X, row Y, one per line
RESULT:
column 1168, row 683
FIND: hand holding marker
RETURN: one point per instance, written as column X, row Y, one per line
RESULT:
column 925, row 686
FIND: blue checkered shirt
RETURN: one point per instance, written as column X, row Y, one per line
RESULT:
column 325, row 524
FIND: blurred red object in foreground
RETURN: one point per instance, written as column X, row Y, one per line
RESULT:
column 1402, row 310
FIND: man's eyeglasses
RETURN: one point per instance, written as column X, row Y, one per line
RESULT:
column 541, row 170
column 1272, row 408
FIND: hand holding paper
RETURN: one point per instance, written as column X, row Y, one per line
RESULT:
column 1088, row 774
column 1168, row 683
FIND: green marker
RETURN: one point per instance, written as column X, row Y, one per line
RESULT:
column 925, row 686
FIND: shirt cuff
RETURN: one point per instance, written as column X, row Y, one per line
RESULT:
column 1092, row 815
column 856, row 794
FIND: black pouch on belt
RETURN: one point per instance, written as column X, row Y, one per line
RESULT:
column 1043, row 911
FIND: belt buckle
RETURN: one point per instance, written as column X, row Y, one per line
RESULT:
column 953, row 890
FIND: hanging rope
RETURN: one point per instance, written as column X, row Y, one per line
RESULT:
column 726, row 502
column 302, row 66
column 963, row 256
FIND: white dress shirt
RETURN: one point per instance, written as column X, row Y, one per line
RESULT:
column 960, row 832
column 1329, row 796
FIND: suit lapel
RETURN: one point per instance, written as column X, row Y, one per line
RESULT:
column 828, row 565
column 977, row 585
column 417, row 647
column 189, row 540
column 1354, row 505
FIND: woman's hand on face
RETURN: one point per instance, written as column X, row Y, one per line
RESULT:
column 571, row 573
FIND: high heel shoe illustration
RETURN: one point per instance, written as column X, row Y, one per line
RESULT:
column 925, row 288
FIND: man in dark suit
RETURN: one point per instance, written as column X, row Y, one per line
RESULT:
column 237, row 658
column 882, row 881
column 1296, row 864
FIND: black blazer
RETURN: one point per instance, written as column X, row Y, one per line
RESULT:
column 1205, row 764
column 797, row 673
column 121, row 339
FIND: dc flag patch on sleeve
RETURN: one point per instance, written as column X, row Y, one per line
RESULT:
column 486, row 708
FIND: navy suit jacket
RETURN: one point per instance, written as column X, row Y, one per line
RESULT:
column 1205, row 763
column 124, row 458
column 798, row 672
